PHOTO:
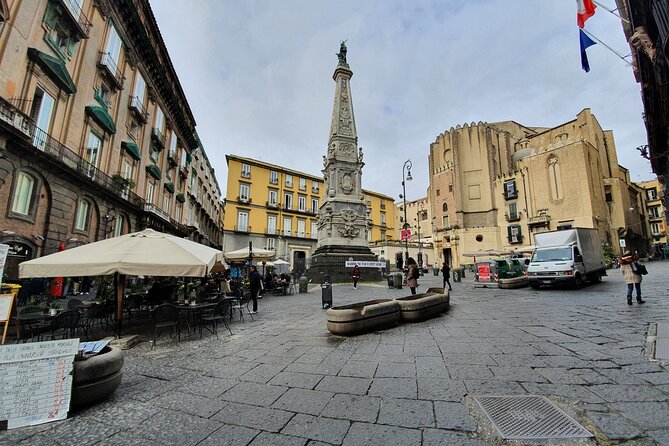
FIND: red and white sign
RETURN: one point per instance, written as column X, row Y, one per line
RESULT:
column 484, row 272
column 405, row 234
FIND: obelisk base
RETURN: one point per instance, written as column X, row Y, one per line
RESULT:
column 331, row 260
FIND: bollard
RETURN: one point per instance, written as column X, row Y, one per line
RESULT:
column 304, row 284
column 326, row 294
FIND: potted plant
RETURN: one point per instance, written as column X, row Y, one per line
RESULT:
column 123, row 183
column 54, row 306
column 191, row 292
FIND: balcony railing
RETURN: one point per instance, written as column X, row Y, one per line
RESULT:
column 242, row 228
column 272, row 204
column 136, row 105
column 510, row 195
column 314, row 190
column 246, row 174
column 270, row 231
column 107, row 62
column 17, row 120
column 77, row 16
column 158, row 137
column 152, row 208
column 539, row 220
column 512, row 217
column 246, row 200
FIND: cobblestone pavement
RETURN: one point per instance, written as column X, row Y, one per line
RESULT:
column 284, row 380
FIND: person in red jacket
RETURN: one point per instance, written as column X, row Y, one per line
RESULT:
column 628, row 268
column 355, row 275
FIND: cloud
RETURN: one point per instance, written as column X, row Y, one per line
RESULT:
column 258, row 76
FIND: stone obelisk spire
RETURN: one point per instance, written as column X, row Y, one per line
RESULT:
column 343, row 218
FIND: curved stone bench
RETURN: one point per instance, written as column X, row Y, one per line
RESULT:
column 514, row 282
column 96, row 377
column 418, row 307
column 363, row 317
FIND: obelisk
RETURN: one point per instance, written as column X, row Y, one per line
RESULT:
column 343, row 219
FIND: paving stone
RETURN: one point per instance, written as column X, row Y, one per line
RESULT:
column 406, row 413
column 393, row 388
column 430, row 366
column 379, row 435
column 254, row 393
column 41, row 439
column 261, row 418
column 80, row 430
column 206, row 386
column 120, row 414
column 317, row 428
column 359, row 369
column 627, row 393
column 317, row 369
column 125, row 439
column 614, row 426
column 439, row 437
column 14, row 436
column 353, row 407
column 469, row 371
column 172, row 427
column 296, row 379
column 229, row 435
column 262, row 373
column 303, row 401
column 395, row 370
column 647, row 414
column 231, row 370
column 560, row 376
column 189, row 403
column 148, row 390
column 492, row 387
column 453, row 416
column 345, row 384
column 441, row 389
column 661, row 436
column 270, row 439
column 519, row 374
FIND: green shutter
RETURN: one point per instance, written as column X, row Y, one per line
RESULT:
column 154, row 171
column 100, row 115
column 170, row 187
column 181, row 198
column 54, row 68
column 132, row 149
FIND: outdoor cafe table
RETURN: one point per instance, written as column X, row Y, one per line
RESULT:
column 196, row 310
column 36, row 317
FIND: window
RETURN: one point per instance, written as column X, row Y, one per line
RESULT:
column 160, row 119
column 24, row 194
column 83, row 211
column 302, row 203
column 93, row 148
column 303, row 184
column 118, row 227
column 608, row 194
column 651, row 193
column 242, row 221
column 301, row 228
column 655, row 228
column 383, row 218
column 287, row 226
column 172, row 151
column 555, row 178
column 150, row 188
column 166, row 203
column 273, row 177
column 193, row 176
column 271, row 224
column 289, row 181
column 513, row 211
column 314, row 187
column 514, row 234
column 510, row 189
column 314, row 229
column 177, row 213
column 438, row 192
column 450, row 188
column 138, row 92
column 273, row 198
column 654, row 211
column 42, row 112
column 444, row 207
column 314, row 205
column 244, row 192
column 182, row 158
column 445, row 222
column 271, row 244
column 288, row 201
column 246, row 171
column 112, row 50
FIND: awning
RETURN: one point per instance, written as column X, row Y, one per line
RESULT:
column 189, row 158
column 132, row 149
column 154, row 171
column 181, row 198
column 100, row 115
column 54, row 68
column 170, row 187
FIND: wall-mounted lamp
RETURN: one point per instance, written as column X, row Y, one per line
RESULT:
column 38, row 237
column 7, row 232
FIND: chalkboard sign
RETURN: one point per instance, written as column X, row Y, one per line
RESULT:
column 36, row 382
column 6, row 301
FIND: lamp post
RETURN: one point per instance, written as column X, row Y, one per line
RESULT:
column 407, row 167
column 420, row 246
column 108, row 218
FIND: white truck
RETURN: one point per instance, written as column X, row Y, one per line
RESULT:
column 568, row 256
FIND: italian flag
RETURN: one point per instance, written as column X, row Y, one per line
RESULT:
column 585, row 10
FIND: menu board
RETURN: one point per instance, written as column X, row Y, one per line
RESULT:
column 5, row 306
column 36, row 382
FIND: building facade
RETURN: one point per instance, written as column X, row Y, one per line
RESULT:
column 277, row 208
column 657, row 215
column 96, row 135
column 492, row 186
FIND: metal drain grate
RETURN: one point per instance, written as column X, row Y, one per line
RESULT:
column 529, row 417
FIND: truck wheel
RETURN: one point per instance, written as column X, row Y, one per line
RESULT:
column 535, row 285
column 595, row 278
column 578, row 280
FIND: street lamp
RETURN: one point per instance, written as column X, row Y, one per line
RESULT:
column 420, row 246
column 407, row 167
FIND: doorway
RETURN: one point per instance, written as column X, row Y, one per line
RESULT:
column 299, row 262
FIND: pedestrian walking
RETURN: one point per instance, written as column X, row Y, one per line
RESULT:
column 355, row 275
column 412, row 274
column 629, row 267
column 255, row 281
column 446, row 271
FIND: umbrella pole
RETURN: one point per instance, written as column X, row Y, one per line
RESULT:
column 120, row 290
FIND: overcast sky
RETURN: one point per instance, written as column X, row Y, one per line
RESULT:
column 258, row 76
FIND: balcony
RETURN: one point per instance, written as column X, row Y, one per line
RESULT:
column 183, row 172
column 287, row 207
column 172, row 157
column 108, row 63
column 246, row 174
column 512, row 217
column 270, row 231
column 274, row 180
column 155, row 210
column 315, row 190
column 510, row 195
column 539, row 220
column 158, row 137
column 78, row 17
column 15, row 119
column 272, row 205
column 245, row 200
column 242, row 228
column 136, row 106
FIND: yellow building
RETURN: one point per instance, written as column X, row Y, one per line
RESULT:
column 657, row 214
column 276, row 208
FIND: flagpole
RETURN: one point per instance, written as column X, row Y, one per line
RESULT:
column 589, row 34
column 612, row 11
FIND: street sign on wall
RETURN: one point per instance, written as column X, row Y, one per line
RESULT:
column 405, row 234
column 622, row 242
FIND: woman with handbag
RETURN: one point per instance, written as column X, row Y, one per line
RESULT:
column 630, row 269
column 412, row 274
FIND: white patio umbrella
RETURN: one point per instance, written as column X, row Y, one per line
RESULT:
column 244, row 254
column 144, row 253
column 280, row 262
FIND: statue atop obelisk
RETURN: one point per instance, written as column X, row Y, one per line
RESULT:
column 343, row 219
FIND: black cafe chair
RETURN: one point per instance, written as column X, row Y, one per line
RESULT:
column 164, row 316
column 64, row 324
column 219, row 314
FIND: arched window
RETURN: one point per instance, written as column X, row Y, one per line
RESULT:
column 444, row 207
column 83, row 215
column 25, row 194
column 555, row 178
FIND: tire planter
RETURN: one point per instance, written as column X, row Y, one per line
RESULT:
column 363, row 317
column 420, row 307
column 96, row 377
column 514, row 282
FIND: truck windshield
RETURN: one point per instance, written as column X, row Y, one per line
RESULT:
column 551, row 254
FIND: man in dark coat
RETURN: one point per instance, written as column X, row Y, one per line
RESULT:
column 254, row 281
